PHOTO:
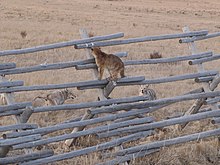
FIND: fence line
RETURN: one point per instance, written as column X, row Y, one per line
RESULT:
column 141, row 39
column 7, row 66
column 18, row 126
column 60, row 65
column 203, row 60
column 59, row 45
column 14, row 106
column 102, row 83
column 197, row 38
column 152, row 61
column 11, row 84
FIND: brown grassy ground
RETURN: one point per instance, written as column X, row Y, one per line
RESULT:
column 49, row 21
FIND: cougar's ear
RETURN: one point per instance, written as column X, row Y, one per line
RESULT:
column 92, row 49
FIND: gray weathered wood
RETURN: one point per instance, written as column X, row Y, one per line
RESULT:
column 212, row 101
column 204, row 79
column 57, row 127
column 146, row 104
column 90, row 104
column 24, row 139
column 84, row 151
column 161, row 124
column 215, row 82
column 11, row 112
column 153, row 61
column 197, row 38
column 60, row 65
column 26, row 157
column 203, row 60
column 14, row 106
column 11, row 84
column 168, row 142
column 109, row 88
column 7, row 66
column 121, row 159
column 101, row 83
column 161, row 80
column 18, row 126
column 142, row 39
column 59, row 45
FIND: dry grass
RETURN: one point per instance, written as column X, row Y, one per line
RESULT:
column 31, row 23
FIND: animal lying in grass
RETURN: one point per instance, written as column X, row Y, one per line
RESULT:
column 144, row 90
column 112, row 63
column 58, row 97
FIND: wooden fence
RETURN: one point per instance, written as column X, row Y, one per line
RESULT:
column 130, row 122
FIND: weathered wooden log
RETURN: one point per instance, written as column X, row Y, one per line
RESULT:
column 215, row 82
column 152, row 61
column 73, row 135
column 195, row 108
column 14, row 106
column 18, row 127
column 27, row 157
column 109, row 88
column 197, row 38
column 11, row 84
column 161, row 124
column 215, row 120
column 204, row 79
column 120, row 82
column 168, row 142
column 160, row 80
column 84, row 151
column 59, row 45
column 19, row 140
column 60, row 65
column 141, row 39
column 146, row 104
column 11, row 112
column 90, row 104
column 212, row 101
column 203, row 60
column 7, row 66
column 26, row 114
column 121, row 159
column 101, row 83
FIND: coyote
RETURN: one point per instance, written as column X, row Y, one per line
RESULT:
column 146, row 91
column 112, row 63
column 58, row 97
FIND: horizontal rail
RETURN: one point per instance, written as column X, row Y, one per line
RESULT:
column 168, row 142
column 71, row 135
column 164, row 101
column 84, row 151
column 60, row 65
column 160, row 80
column 27, row 157
column 203, row 60
column 187, row 40
column 11, row 112
column 212, row 101
column 18, row 127
column 152, row 61
column 11, row 84
column 128, row 157
column 57, row 127
column 141, row 39
column 59, row 45
column 69, row 85
column 14, row 106
column 204, row 79
column 161, row 124
column 19, row 140
column 7, row 66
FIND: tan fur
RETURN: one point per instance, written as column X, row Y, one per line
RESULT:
column 112, row 63
column 58, row 97
column 3, row 99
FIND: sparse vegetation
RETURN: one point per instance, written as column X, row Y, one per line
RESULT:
column 160, row 17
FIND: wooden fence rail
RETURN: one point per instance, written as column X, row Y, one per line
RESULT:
column 7, row 66
column 60, row 45
column 142, row 39
column 18, row 126
column 14, row 106
column 152, row 61
column 60, row 65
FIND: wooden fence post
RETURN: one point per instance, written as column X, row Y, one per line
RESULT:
column 199, row 102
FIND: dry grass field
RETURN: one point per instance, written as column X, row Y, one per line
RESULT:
column 30, row 23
